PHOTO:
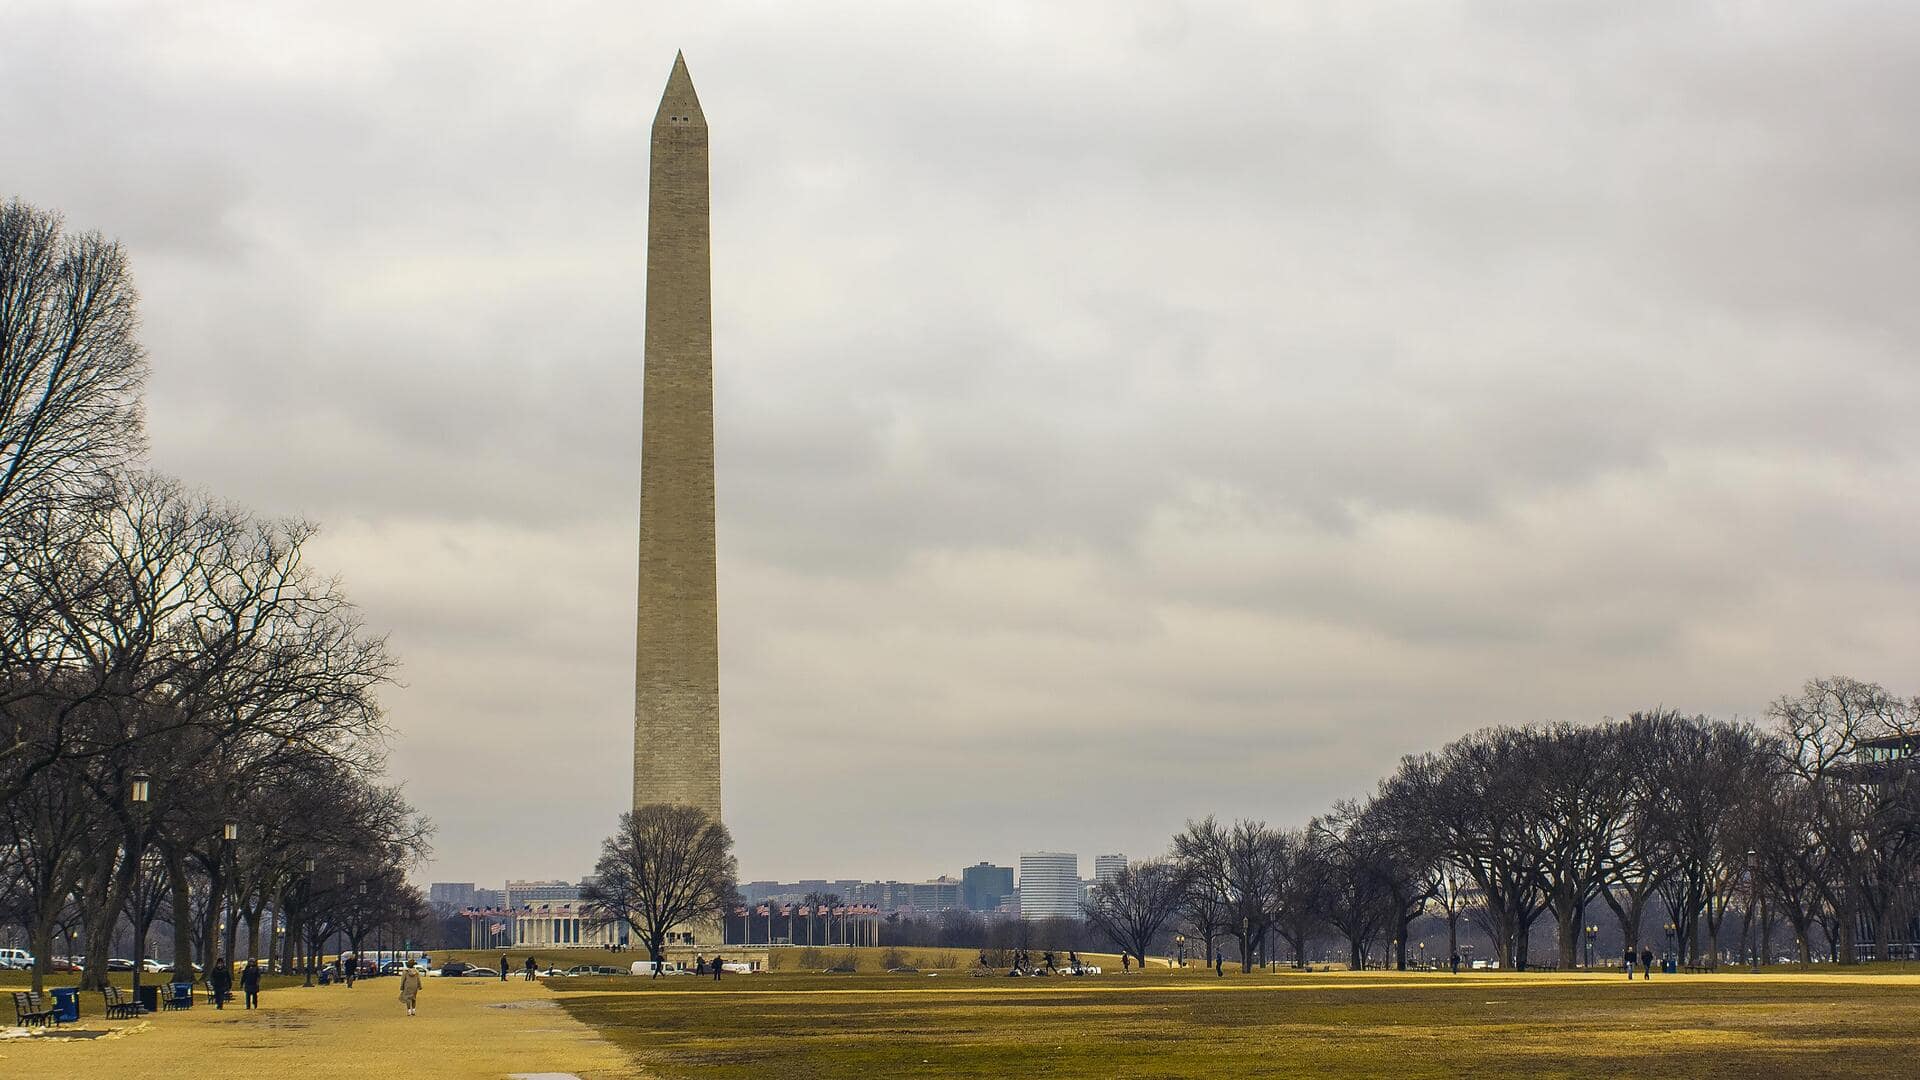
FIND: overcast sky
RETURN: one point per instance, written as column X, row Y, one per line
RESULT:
column 1126, row 411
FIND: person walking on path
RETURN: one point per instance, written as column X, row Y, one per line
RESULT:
column 1456, row 963
column 1219, row 965
column 220, row 981
column 1646, row 964
column 716, row 969
column 504, row 966
column 1628, row 963
column 409, row 987
column 250, row 984
column 531, row 968
column 1126, row 963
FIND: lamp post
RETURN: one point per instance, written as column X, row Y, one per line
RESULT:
column 1180, row 948
column 1671, row 927
column 229, row 835
column 1753, row 872
column 142, row 790
column 1592, row 931
column 306, row 961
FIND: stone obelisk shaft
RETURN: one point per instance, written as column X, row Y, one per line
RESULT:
column 676, row 708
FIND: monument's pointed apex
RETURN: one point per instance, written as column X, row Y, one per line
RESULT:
column 679, row 104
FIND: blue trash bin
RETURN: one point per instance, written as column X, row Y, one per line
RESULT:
column 66, row 1004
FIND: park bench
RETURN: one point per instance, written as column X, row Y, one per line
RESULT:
column 30, row 1008
column 119, row 1005
column 1701, row 969
column 179, row 996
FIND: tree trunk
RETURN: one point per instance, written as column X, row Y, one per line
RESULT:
column 252, row 916
column 41, row 940
column 115, row 881
column 182, row 916
column 1566, row 915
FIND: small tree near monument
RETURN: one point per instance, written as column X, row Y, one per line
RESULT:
column 666, row 866
column 1139, row 900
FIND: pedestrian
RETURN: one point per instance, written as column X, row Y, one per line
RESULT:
column 1456, row 963
column 250, row 984
column 409, row 987
column 699, row 964
column 1646, row 964
column 1047, row 960
column 1219, row 965
column 531, row 968
column 1627, row 962
column 220, row 981
column 504, row 967
column 1126, row 963
column 716, row 969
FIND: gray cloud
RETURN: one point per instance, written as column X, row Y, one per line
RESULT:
column 1125, row 411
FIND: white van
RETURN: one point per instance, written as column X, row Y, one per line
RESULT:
column 17, row 959
column 645, row 967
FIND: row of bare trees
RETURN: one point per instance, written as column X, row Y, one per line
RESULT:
column 189, row 732
column 1721, row 831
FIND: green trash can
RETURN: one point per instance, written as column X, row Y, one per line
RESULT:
column 66, row 1004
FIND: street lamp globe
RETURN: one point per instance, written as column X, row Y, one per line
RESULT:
column 142, row 787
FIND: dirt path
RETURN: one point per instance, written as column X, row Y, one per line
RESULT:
column 465, row 1030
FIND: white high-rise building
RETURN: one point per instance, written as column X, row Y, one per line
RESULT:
column 1107, row 867
column 1049, row 884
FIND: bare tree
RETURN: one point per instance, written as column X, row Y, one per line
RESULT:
column 1132, row 907
column 1237, row 863
column 1865, row 807
column 71, row 370
column 666, row 866
column 1300, row 891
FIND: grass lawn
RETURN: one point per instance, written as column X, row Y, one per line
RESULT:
column 1172, row 1024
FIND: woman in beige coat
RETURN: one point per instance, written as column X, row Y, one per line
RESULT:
column 409, row 987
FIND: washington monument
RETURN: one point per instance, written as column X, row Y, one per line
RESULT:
column 676, row 696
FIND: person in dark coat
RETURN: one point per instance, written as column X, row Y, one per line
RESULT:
column 532, row 967
column 1219, row 965
column 503, row 967
column 1646, row 963
column 715, row 965
column 250, row 984
column 1628, row 963
column 220, row 981
column 1456, row 963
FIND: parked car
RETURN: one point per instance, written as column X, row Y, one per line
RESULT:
column 115, row 963
column 452, row 968
column 479, row 973
column 11, row 959
column 154, row 967
column 593, row 969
